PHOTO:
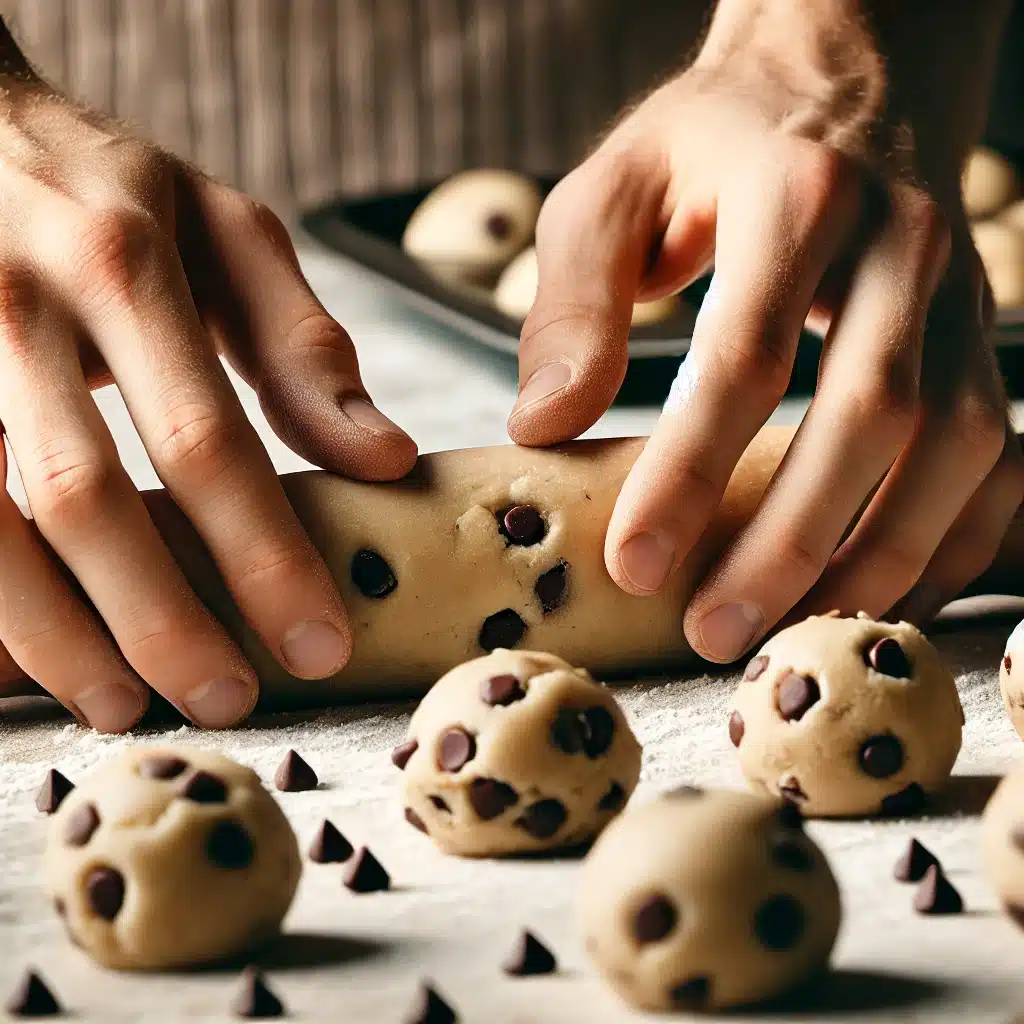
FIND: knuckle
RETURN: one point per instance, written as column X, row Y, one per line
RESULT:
column 818, row 173
column 927, row 235
column 249, row 215
column 757, row 358
column 18, row 303
column 271, row 566
column 798, row 558
column 319, row 333
column 885, row 403
column 111, row 249
column 199, row 443
column 980, row 425
column 70, row 486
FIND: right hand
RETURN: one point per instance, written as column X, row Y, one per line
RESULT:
column 119, row 264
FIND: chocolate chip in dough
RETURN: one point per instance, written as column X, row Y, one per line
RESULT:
column 1016, row 913
column 889, row 658
column 936, row 894
column 779, row 922
column 654, row 919
column 253, row 999
column 104, row 888
column 797, row 695
column 329, row 846
column 32, row 997
column 1007, row 663
column 528, row 956
column 52, row 792
column 692, row 994
column 229, row 846
column 791, row 856
column 204, row 788
column 366, row 873
column 81, row 824
column 613, row 800
column 455, row 749
column 429, row 1008
column 440, row 803
column 294, row 775
column 551, row 586
column 881, row 756
column 502, row 629
column 543, row 818
column 589, row 731
column 491, row 798
column 415, row 820
column 372, row 575
column 736, row 728
column 914, row 862
column 522, row 525
column 755, row 668
column 162, row 767
column 401, row 754
column 789, row 815
column 500, row 691
column 599, row 731
column 498, row 225
column 906, row 801
column 790, row 789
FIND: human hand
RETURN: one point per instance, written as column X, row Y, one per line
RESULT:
column 120, row 264
column 813, row 158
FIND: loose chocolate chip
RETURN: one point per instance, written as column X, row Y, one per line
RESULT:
column 936, row 894
column 439, row 802
column 755, row 668
column 790, row 789
column 455, row 748
column 293, row 775
column 253, row 999
column 415, row 820
column 372, row 575
column 32, row 997
column 329, row 846
column 366, row 873
column 523, row 526
column 908, row 800
column 797, row 695
column 81, row 824
column 654, row 919
column 229, row 846
column 613, row 799
column 779, row 923
column 881, row 756
column 1016, row 913
column 502, row 629
column 104, row 888
column 692, row 994
column 1007, row 663
column 162, row 767
column 203, row 788
column 491, row 798
column 790, row 816
column 736, row 728
column 501, row 690
column 543, row 818
column 52, row 792
column 916, row 860
column 401, row 754
column 551, row 586
column 528, row 956
column 791, row 856
column 429, row 1008
column 889, row 658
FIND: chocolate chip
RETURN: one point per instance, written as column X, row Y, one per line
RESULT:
column 439, row 802
column 229, row 846
column 755, row 668
column 566, row 731
column 401, row 754
column 162, row 767
column 613, row 799
column 589, row 731
column 491, row 798
column 914, row 862
column 366, row 873
column 528, row 956
column 797, row 695
column 790, row 789
column 654, row 919
column 81, row 824
column 908, row 800
column 294, row 775
column 736, row 728
column 551, row 586
column 501, row 690
column 329, row 846
column 936, row 894
column 881, row 756
column 522, row 525
column 60, row 908
column 203, row 788
column 32, row 997
column 789, row 815
column 502, row 629
column 779, row 923
column 889, row 658
column 499, row 225
column 599, row 731
column 253, row 999
column 104, row 888
column 429, row 1008
column 415, row 820
column 455, row 748
column 791, row 856
column 1016, row 913
column 372, row 575
column 692, row 994
column 52, row 792
column 1007, row 663
column 543, row 818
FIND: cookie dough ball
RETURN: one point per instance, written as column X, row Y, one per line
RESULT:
column 516, row 751
column 704, row 900
column 1001, row 248
column 1002, row 840
column 170, row 858
column 848, row 717
column 470, row 227
column 517, row 288
column 1011, row 678
column 989, row 183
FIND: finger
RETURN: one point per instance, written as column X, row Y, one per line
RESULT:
column 776, row 234
column 249, row 289
column 594, row 236
column 860, row 419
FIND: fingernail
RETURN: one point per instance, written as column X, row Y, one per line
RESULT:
column 730, row 629
column 367, row 416
column 647, row 559
column 219, row 703
column 542, row 383
column 922, row 603
column 314, row 649
column 110, row 707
